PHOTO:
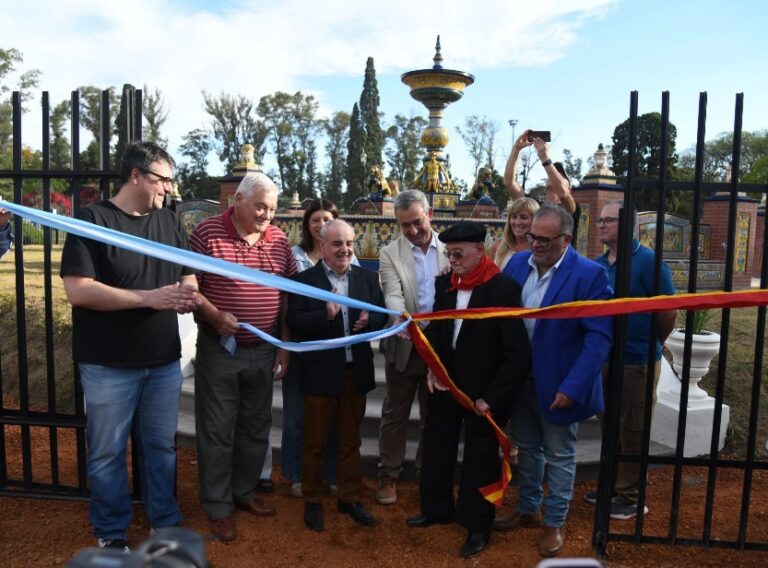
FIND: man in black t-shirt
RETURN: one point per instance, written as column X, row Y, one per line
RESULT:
column 126, row 344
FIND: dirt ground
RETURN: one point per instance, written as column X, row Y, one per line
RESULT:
column 42, row 532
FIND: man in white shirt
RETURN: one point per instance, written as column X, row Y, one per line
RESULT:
column 407, row 270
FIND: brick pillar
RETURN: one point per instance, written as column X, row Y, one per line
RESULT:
column 757, row 258
column 592, row 197
column 715, row 215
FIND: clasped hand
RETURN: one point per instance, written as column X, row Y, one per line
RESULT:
column 182, row 298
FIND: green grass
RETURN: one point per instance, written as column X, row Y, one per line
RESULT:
column 739, row 379
column 37, row 358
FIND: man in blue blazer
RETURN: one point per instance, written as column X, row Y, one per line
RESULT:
column 565, row 387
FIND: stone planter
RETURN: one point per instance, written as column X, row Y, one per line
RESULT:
column 703, row 349
column 700, row 407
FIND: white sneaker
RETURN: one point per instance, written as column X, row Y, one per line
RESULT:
column 116, row 543
column 296, row 489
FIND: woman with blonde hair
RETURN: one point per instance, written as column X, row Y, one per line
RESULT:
column 519, row 219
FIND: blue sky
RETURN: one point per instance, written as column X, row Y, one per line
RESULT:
column 564, row 66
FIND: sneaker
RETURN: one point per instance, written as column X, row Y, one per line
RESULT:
column 623, row 509
column 296, row 489
column 387, row 492
column 153, row 530
column 116, row 543
column 591, row 497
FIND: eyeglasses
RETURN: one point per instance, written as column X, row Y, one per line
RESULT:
column 457, row 254
column 541, row 241
column 162, row 179
column 606, row 220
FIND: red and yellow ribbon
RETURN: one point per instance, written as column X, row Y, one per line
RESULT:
column 588, row 308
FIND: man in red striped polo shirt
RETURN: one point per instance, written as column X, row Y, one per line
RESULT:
column 234, row 369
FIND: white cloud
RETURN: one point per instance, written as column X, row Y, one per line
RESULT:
column 256, row 48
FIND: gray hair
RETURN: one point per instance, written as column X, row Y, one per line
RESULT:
column 406, row 198
column 324, row 229
column 253, row 182
column 566, row 219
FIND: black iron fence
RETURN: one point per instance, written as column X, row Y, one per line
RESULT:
column 29, row 473
column 25, row 469
column 713, row 462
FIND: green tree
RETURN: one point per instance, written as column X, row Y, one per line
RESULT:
column 336, row 131
column 61, row 149
column 155, row 116
column 648, row 154
column 718, row 154
column 292, row 127
column 571, row 166
column 369, row 116
column 404, row 150
column 355, row 161
column 24, row 83
column 121, row 124
column 90, row 119
column 479, row 135
column 194, row 181
column 234, row 123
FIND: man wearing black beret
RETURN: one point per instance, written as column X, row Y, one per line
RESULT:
column 487, row 360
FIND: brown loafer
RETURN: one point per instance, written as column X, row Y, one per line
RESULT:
column 517, row 520
column 224, row 529
column 551, row 542
column 257, row 507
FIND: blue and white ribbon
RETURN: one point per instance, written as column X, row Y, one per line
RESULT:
column 218, row 266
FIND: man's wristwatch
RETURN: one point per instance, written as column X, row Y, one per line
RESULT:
column 546, row 163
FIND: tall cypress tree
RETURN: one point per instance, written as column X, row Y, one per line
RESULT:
column 355, row 168
column 121, row 124
column 369, row 116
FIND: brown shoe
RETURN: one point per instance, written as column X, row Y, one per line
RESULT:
column 517, row 520
column 551, row 542
column 224, row 529
column 257, row 507
column 387, row 492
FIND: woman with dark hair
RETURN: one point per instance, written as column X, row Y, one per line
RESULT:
column 316, row 214
column 307, row 253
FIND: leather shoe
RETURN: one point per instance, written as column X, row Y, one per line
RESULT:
column 517, row 520
column 422, row 522
column 224, row 529
column 357, row 512
column 475, row 544
column 313, row 516
column 551, row 542
column 257, row 507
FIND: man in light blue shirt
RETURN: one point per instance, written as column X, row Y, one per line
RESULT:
column 407, row 270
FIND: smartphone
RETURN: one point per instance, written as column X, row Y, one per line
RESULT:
column 545, row 135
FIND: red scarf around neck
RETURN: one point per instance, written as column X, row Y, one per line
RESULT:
column 480, row 274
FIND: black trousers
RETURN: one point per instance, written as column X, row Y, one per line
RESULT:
column 481, row 465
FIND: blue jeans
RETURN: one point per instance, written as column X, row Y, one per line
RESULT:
column 117, row 398
column 291, row 447
column 541, row 443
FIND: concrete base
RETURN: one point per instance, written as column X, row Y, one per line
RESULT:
column 188, row 335
column 698, row 424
